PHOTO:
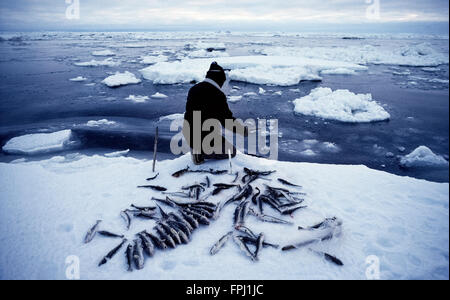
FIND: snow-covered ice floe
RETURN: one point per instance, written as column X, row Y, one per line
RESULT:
column 137, row 98
column 383, row 215
column 37, row 143
column 172, row 117
column 118, row 153
column 158, row 95
column 275, row 70
column 78, row 79
column 148, row 60
column 120, row 79
column 103, row 53
column 340, row 105
column 419, row 55
column 423, row 157
column 109, row 62
column 103, row 122
column 234, row 98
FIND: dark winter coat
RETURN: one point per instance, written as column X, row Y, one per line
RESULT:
column 211, row 102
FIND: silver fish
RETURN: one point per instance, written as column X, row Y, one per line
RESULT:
column 259, row 244
column 249, row 240
column 126, row 216
column 110, row 234
column 111, row 253
column 147, row 243
column 170, row 231
column 167, row 238
column 328, row 257
column 138, row 254
column 244, row 248
column 268, row 219
column 156, row 240
column 320, row 232
column 190, row 219
column 180, row 227
column 220, row 243
column 91, row 233
column 129, row 255
column 247, row 231
column 181, row 220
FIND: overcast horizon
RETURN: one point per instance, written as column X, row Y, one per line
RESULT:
column 394, row 16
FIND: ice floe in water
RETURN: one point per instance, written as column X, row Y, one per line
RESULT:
column 234, row 98
column 419, row 55
column 137, row 98
column 118, row 153
column 103, row 122
column 202, row 53
column 109, row 62
column 103, row 53
column 275, row 70
column 148, row 60
column 120, row 79
column 78, row 79
column 340, row 105
column 338, row 71
column 423, row 157
column 158, row 95
column 172, row 117
column 37, row 143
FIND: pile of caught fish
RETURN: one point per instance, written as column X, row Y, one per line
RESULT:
column 193, row 210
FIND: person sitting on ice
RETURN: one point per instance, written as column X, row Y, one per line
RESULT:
column 207, row 101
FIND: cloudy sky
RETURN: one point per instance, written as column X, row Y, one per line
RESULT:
column 286, row 15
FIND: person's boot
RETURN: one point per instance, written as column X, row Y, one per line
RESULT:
column 197, row 159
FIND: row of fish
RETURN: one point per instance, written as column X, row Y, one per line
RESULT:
column 171, row 230
column 176, row 228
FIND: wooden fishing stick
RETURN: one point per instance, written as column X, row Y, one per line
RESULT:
column 155, row 149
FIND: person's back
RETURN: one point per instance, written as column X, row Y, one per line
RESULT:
column 207, row 99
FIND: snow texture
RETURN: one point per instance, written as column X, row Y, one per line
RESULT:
column 383, row 215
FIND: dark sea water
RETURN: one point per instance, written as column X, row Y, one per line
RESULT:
column 36, row 95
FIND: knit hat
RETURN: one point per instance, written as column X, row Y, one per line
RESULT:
column 216, row 73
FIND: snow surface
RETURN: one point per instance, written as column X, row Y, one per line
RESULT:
column 36, row 143
column 423, row 156
column 103, row 53
column 97, row 63
column 137, row 98
column 340, row 105
column 120, row 79
column 276, row 70
column 78, row 79
column 401, row 220
column 102, row 122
